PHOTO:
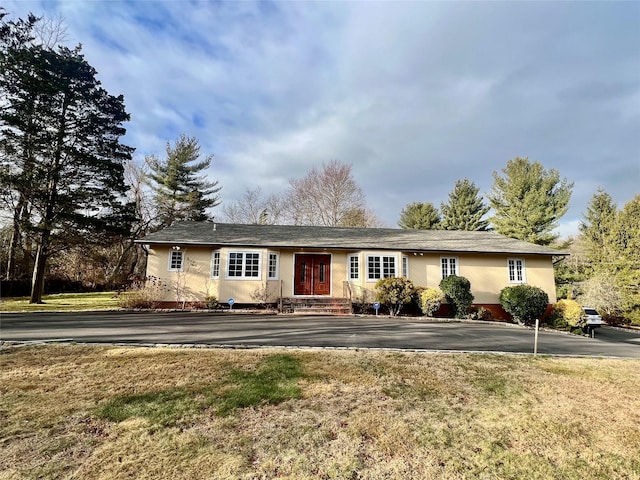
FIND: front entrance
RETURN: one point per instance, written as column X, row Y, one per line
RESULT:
column 312, row 274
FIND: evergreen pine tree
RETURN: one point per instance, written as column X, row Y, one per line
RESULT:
column 465, row 208
column 61, row 160
column 596, row 228
column 528, row 201
column 180, row 193
column 419, row 216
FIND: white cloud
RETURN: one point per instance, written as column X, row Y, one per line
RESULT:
column 414, row 95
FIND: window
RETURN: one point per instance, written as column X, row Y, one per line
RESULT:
column 405, row 266
column 272, row 271
column 243, row 265
column 215, row 264
column 353, row 262
column 449, row 266
column 176, row 260
column 516, row 270
column 380, row 266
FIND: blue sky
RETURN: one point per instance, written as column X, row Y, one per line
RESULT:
column 414, row 95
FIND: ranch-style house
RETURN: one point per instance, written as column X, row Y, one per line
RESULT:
column 302, row 267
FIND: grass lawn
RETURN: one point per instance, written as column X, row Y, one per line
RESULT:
column 84, row 412
column 63, row 302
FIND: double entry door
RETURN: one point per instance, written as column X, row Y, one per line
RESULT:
column 312, row 274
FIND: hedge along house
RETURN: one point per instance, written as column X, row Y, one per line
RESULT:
column 303, row 267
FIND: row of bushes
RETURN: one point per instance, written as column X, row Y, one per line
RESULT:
column 524, row 303
column 396, row 292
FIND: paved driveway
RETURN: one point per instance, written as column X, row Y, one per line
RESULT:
column 353, row 332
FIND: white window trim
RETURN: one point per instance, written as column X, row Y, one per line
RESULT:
column 215, row 253
column 380, row 255
column 244, row 265
column 349, row 272
column 171, row 253
column 277, row 273
column 524, row 274
column 457, row 269
column 405, row 266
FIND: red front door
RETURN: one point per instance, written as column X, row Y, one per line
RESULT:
column 312, row 275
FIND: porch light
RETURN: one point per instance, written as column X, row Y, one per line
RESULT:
column 175, row 247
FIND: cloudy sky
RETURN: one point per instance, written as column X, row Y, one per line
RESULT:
column 414, row 95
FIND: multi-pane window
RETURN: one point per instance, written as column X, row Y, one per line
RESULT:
column 176, row 260
column 354, row 267
column 215, row 264
column 380, row 266
column 243, row 265
column 449, row 266
column 516, row 270
column 405, row 266
column 272, row 271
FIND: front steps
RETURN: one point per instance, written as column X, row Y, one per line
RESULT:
column 317, row 306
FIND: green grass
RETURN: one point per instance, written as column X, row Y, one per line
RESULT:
column 64, row 302
column 272, row 383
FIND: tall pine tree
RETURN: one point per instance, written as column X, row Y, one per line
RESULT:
column 180, row 192
column 528, row 201
column 60, row 153
column 465, row 208
column 596, row 228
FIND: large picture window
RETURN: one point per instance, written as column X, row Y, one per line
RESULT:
column 449, row 266
column 176, row 260
column 516, row 270
column 243, row 265
column 381, row 266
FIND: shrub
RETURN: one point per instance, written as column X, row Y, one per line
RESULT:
column 481, row 313
column 394, row 293
column 211, row 302
column 571, row 312
column 430, row 300
column 144, row 293
column 556, row 322
column 457, row 291
column 525, row 303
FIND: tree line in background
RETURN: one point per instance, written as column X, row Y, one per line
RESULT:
column 76, row 199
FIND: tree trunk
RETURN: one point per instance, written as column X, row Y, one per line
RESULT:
column 37, row 281
column 16, row 239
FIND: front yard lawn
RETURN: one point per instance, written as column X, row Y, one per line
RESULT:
column 112, row 413
column 65, row 302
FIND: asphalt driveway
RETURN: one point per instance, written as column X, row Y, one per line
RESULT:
column 243, row 330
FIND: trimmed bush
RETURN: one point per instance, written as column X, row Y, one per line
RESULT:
column 457, row 291
column 430, row 300
column 211, row 302
column 524, row 302
column 571, row 312
column 394, row 293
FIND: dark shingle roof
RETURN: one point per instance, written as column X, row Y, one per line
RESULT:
column 340, row 238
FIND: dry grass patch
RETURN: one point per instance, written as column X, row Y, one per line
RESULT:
column 112, row 413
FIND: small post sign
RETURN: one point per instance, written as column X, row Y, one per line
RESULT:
column 376, row 307
column 231, row 301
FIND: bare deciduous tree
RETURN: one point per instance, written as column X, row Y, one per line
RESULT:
column 256, row 208
column 51, row 31
column 326, row 196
